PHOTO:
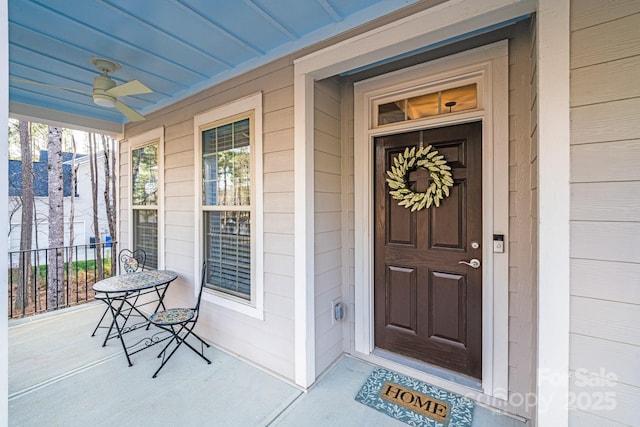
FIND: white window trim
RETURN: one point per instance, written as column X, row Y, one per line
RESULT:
column 148, row 138
column 252, row 103
column 488, row 67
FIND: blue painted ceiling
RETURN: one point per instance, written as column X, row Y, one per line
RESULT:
column 175, row 47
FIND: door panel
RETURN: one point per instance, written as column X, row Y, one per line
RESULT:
column 447, row 230
column 427, row 305
column 447, row 311
column 401, row 301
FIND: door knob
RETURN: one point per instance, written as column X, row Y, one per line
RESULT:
column 475, row 263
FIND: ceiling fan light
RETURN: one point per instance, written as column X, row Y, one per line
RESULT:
column 104, row 100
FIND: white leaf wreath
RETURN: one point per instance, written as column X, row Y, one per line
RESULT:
column 410, row 160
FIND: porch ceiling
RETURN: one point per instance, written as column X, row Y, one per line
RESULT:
column 175, row 47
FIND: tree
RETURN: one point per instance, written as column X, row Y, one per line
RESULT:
column 72, row 210
column 24, row 263
column 55, row 274
column 108, row 147
column 93, row 169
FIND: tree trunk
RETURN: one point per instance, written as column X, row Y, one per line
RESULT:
column 72, row 212
column 24, row 263
column 93, row 169
column 108, row 145
column 55, row 274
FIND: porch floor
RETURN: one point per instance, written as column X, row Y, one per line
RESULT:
column 61, row 376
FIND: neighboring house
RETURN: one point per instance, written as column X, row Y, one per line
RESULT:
column 83, row 221
column 528, row 273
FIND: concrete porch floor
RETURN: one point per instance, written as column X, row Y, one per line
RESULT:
column 61, row 376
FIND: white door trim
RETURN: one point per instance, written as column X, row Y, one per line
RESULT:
column 488, row 67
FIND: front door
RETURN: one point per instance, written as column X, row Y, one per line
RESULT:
column 428, row 305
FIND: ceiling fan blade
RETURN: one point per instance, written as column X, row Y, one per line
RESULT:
column 134, row 87
column 131, row 114
column 31, row 82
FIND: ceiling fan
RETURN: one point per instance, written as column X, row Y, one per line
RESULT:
column 105, row 91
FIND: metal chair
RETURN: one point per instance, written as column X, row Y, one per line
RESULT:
column 132, row 261
column 129, row 262
column 180, row 322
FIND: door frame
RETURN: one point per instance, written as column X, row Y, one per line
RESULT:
column 488, row 67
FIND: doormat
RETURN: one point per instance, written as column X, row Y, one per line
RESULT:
column 414, row 402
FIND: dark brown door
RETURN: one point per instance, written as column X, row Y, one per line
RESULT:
column 428, row 306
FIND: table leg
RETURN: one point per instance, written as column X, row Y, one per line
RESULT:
column 116, row 314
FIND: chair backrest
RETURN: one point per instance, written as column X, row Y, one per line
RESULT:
column 203, row 280
column 132, row 261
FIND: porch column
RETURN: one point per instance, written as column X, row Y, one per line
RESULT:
column 553, row 212
column 304, row 347
column 4, row 195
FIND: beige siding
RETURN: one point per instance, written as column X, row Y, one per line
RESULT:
column 327, row 220
column 267, row 342
column 522, row 186
column 605, row 208
column 123, row 191
column 348, row 215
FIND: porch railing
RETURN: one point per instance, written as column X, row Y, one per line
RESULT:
column 30, row 275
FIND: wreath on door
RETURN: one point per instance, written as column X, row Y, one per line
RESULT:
column 409, row 161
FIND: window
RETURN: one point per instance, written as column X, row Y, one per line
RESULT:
column 230, row 191
column 226, row 180
column 145, row 199
column 431, row 104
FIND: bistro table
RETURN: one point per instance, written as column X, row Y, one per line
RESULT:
column 122, row 293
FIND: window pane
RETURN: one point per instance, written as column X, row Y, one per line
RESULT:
column 227, row 238
column 145, row 234
column 392, row 112
column 144, row 175
column 459, row 99
column 423, row 106
column 226, row 169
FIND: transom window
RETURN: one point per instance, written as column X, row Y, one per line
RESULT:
column 431, row 104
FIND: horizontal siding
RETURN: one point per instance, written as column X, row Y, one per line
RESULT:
column 606, row 241
column 621, row 408
column 522, row 178
column 278, row 222
column 620, row 361
column 279, row 161
column 606, row 161
column 278, row 202
column 605, row 210
column 586, row 419
column 123, row 191
column 278, row 243
column 611, row 121
column 616, row 321
column 327, row 220
column 588, row 279
column 587, row 13
column 606, row 41
column 606, row 201
column 268, row 343
column 606, row 82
